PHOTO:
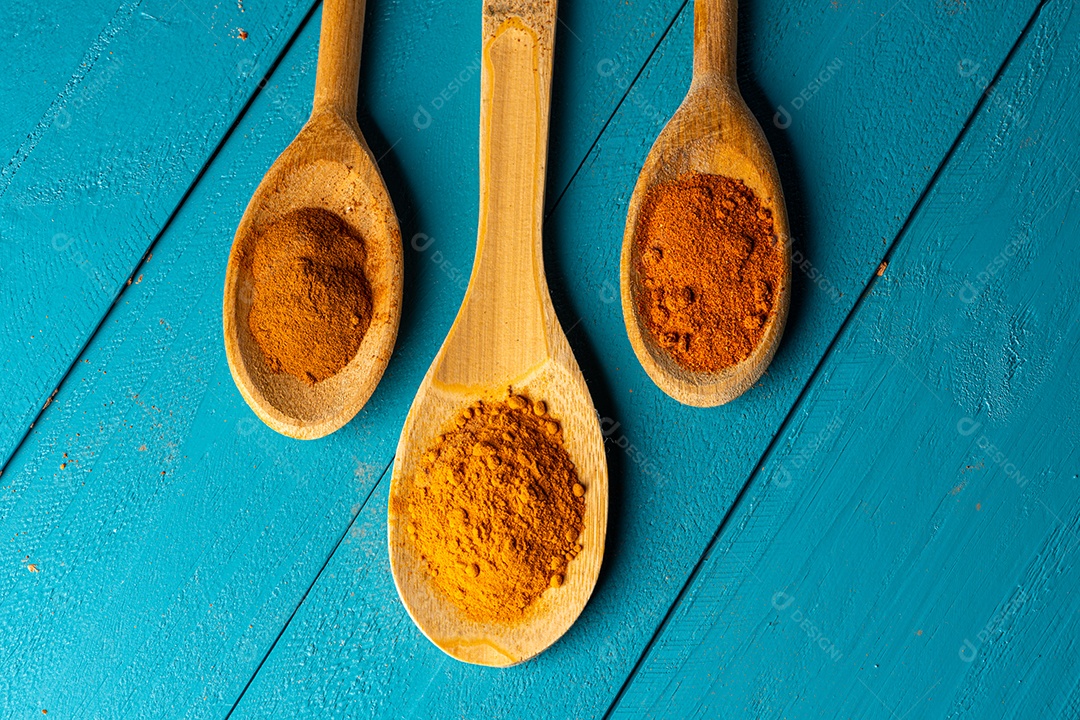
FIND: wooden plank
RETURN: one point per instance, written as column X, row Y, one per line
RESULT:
column 177, row 535
column 351, row 649
column 139, row 97
column 108, row 161
column 910, row 545
column 49, row 43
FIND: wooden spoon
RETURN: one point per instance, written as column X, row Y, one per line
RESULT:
column 506, row 335
column 327, row 166
column 711, row 132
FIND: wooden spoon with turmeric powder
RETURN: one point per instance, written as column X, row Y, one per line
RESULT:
column 313, row 284
column 706, row 262
column 498, row 500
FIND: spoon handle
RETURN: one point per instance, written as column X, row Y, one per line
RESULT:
column 514, row 103
column 715, row 33
column 338, row 76
column 502, row 330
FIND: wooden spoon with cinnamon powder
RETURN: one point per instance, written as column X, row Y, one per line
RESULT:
column 313, row 285
column 706, row 261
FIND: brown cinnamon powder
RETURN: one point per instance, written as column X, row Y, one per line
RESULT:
column 311, row 302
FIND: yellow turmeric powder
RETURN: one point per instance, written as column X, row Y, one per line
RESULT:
column 496, row 509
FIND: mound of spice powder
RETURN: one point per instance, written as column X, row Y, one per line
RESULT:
column 496, row 509
column 710, row 269
column 311, row 301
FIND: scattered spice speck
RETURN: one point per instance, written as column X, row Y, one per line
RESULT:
column 32, row 568
column 242, row 34
column 881, row 268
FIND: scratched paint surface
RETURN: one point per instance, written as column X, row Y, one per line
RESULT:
column 98, row 164
column 186, row 561
column 328, row 660
column 911, row 541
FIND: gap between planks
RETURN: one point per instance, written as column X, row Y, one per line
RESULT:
column 614, row 112
column 160, row 233
column 348, row 527
column 850, row 317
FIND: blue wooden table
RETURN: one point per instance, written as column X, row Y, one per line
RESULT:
column 885, row 526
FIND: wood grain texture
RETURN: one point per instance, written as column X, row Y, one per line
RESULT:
column 506, row 335
column 51, row 45
column 134, row 98
column 108, row 156
column 158, row 595
column 674, row 470
column 909, row 547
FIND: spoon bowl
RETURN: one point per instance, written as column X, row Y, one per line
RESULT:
column 712, row 132
column 440, row 399
column 506, row 337
column 328, row 166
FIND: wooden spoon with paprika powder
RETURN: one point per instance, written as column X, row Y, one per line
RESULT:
column 328, row 167
column 506, row 335
column 712, row 134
